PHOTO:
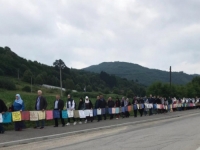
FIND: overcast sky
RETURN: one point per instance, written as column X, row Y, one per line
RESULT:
column 154, row 34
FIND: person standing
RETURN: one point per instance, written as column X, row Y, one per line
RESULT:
column 40, row 105
column 3, row 109
column 70, row 105
column 111, row 105
column 122, row 105
column 103, row 105
column 98, row 106
column 151, row 100
column 88, row 106
column 18, row 105
column 141, row 104
column 118, row 105
column 81, row 107
column 135, row 108
column 59, row 105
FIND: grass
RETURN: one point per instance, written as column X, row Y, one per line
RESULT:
column 30, row 98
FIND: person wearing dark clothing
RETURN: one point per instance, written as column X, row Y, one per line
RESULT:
column 59, row 105
column 151, row 100
column 103, row 105
column 117, row 104
column 141, row 104
column 127, row 103
column 98, row 106
column 135, row 109
column 81, row 107
column 40, row 105
column 18, row 105
column 88, row 105
column 111, row 104
column 122, row 105
column 3, row 109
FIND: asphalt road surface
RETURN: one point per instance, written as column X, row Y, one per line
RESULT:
column 181, row 133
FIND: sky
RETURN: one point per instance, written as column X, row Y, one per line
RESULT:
column 155, row 34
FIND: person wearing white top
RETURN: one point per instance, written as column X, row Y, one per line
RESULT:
column 70, row 105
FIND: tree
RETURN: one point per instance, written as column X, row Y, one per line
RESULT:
column 39, row 79
column 61, row 65
column 27, row 76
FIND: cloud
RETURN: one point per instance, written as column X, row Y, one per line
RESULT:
column 155, row 34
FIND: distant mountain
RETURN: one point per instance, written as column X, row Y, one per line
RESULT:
column 140, row 74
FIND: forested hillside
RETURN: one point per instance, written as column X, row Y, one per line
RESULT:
column 140, row 74
column 11, row 65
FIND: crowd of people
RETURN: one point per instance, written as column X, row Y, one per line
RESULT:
column 139, row 104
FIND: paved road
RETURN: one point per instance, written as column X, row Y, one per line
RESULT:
column 176, row 133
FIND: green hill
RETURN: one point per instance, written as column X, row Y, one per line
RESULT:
column 14, row 66
column 140, row 74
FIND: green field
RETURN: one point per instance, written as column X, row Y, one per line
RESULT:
column 30, row 98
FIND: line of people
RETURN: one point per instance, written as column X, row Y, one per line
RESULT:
column 100, row 103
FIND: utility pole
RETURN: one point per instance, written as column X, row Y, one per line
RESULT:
column 170, row 78
column 60, row 81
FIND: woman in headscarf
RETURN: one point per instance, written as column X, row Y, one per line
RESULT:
column 18, row 105
column 88, row 105
column 126, row 104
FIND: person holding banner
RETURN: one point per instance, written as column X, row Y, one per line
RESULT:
column 141, row 105
column 111, row 104
column 146, row 101
column 122, row 105
column 118, row 105
column 88, row 105
column 151, row 100
column 59, row 105
column 18, row 105
column 135, row 108
column 40, row 105
column 103, row 105
column 81, row 107
column 3, row 109
column 126, row 104
column 71, row 106
column 98, row 106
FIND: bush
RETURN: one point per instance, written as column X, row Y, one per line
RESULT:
column 7, row 84
column 26, row 89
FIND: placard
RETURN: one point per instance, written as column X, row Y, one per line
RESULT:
column 76, row 114
column 87, row 112
column 49, row 115
column 98, row 111
column 16, row 116
column 64, row 114
column 1, row 118
column 82, row 114
column 33, row 116
column 41, row 115
column 7, row 117
column 25, row 115
column 56, row 114
column 117, row 110
column 70, row 113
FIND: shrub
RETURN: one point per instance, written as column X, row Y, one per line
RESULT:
column 26, row 89
column 7, row 84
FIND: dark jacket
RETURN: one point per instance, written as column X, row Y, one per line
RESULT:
column 60, row 104
column 3, row 107
column 88, row 105
column 81, row 105
column 117, row 103
column 103, row 103
column 122, row 103
column 98, row 104
column 111, row 104
column 151, row 100
column 43, row 103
